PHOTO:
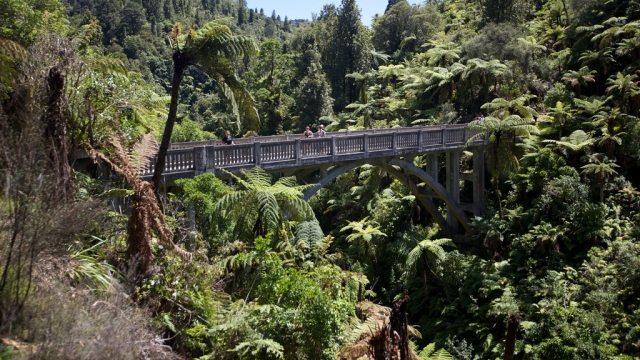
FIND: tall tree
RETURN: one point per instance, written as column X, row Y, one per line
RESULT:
column 391, row 4
column 345, row 53
column 405, row 27
column 427, row 252
column 362, row 237
column 498, row 10
column 211, row 49
column 313, row 94
column 241, row 15
column 602, row 168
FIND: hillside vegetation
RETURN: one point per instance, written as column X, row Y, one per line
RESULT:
column 97, row 263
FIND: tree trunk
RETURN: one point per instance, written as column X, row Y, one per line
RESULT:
column 139, row 253
column 179, row 65
column 496, row 178
column 512, row 330
column 399, row 332
column 391, row 341
column 602, row 193
column 56, row 132
column 566, row 12
column 424, row 277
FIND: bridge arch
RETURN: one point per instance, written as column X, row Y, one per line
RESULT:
column 395, row 167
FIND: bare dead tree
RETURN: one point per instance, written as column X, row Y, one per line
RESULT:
column 146, row 215
column 56, row 131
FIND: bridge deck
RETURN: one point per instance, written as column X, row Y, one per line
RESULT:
column 285, row 152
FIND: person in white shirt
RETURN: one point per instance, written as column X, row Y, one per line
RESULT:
column 321, row 133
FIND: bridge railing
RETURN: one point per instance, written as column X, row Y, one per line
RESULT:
column 291, row 137
column 291, row 150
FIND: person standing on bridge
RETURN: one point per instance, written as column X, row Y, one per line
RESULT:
column 306, row 147
column 227, row 139
column 321, row 133
column 307, row 134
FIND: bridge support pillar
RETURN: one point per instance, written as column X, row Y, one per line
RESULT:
column 256, row 153
column 298, row 154
column 365, row 145
column 478, row 181
column 453, row 185
column 432, row 165
column 200, row 159
column 211, row 158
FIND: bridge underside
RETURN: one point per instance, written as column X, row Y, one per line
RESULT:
column 410, row 176
column 401, row 168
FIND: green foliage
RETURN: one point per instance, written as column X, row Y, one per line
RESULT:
column 92, row 272
column 309, row 232
column 430, row 353
column 313, row 94
column 188, row 130
column 276, row 277
column 405, row 28
column 260, row 207
column 24, row 20
column 315, row 300
column 498, row 129
column 203, row 193
column 212, row 48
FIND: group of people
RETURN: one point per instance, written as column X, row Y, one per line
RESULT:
column 228, row 140
column 308, row 134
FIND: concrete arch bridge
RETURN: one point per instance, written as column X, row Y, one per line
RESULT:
column 392, row 150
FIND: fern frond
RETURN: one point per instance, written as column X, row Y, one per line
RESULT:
column 143, row 152
column 309, row 232
column 110, row 66
column 257, row 347
column 413, row 256
column 85, row 34
column 444, row 241
column 269, row 208
column 12, row 49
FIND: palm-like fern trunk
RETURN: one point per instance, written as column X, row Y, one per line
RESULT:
column 512, row 330
column 179, row 65
column 424, row 277
column 496, row 180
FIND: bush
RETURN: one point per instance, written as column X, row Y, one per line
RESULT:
column 189, row 130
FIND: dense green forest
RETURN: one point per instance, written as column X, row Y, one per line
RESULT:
column 96, row 263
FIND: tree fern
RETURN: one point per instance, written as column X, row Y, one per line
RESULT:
column 212, row 48
column 576, row 142
column 263, row 207
column 146, row 215
column 500, row 131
